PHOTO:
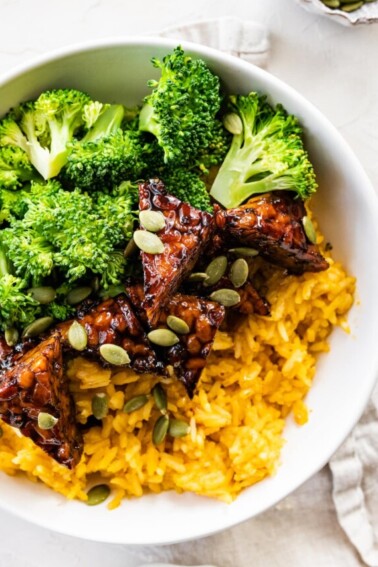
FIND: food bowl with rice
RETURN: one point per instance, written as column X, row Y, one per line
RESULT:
column 170, row 450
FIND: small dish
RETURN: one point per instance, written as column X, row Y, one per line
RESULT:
column 367, row 14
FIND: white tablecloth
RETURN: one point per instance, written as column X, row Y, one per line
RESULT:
column 335, row 68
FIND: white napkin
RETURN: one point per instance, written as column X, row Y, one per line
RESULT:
column 355, row 484
column 248, row 40
column 354, row 467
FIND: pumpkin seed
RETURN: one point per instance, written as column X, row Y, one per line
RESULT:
column 43, row 294
column 37, row 327
column 226, row 297
column 351, row 7
column 11, row 336
column 233, row 124
column 135, row 403
column 160, row 397
column 46, row 420
column 131, row 248
column 178, row 325
column 309, row 229
column 114, row 354
column 332, row 3
column 98, row 494
column 244, row 251
column 77, row 336
column 163, row 337
column 239, row 272
column 178, row 428
column 95, row 284
column 100, row 405
column 215, row 270
column 198, row 277
column 111, row 291
column 160, row 430
column 148, row 242
column 152, row 220
column 78, row 294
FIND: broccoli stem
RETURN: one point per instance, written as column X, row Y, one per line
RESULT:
column 4, row 264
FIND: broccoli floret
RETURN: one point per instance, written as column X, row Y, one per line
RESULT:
column 188, row 187
column 15, row 168
column 182, row 107
column 187, row 184
column 106, row 155
column 58, row 311
column 16, row 306
column 266, row 153
column 32, row 256
column 44, row 128
column 119, row 208
column 216, row 151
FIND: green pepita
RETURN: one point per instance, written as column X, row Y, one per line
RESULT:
column 352, row 7
column 11, row 336
column 95, row 284
column 332, row 3
column 163, row 337
column 233, row 124
column 239, row 272
column 160, row 397
column 152, row 220
column 226, row 297
column 215, row 270
column 309, row 229
column 100, row 405
column 98, row 494
column 178, row 325
column 111, row 291
column 135, row 403
column 77, row 336
column 46, row 420
column 131, row 248
column 198, row 277
column 178, row 428
column 148, row 242
column 43, row 294
column 37, row 327
column 244, row 251
column 160, row 430
column 114, row 354
column 78, row 294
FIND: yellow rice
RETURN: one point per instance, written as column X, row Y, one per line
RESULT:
column 256, row 375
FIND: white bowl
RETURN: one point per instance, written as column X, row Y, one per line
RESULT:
column 347, row 207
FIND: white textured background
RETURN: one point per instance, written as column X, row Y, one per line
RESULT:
column 336, row 69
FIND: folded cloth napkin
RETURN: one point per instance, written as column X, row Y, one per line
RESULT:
column 248, row 40
column 354, row 467
column 355, row 484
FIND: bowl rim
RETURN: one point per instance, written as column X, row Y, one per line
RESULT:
column 369, row 194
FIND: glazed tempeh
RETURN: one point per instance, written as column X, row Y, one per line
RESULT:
column 36, row 385
column 273, row 224
column 185, row 235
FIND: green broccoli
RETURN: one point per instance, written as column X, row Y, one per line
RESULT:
column 43, row 129
column 187, row 184
column 16, row 306
column 106, row 155
column 32, row 256
column 188, row 187
column 182, row 107
column 266, row 153
column 118, row 208
column 15, row 168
